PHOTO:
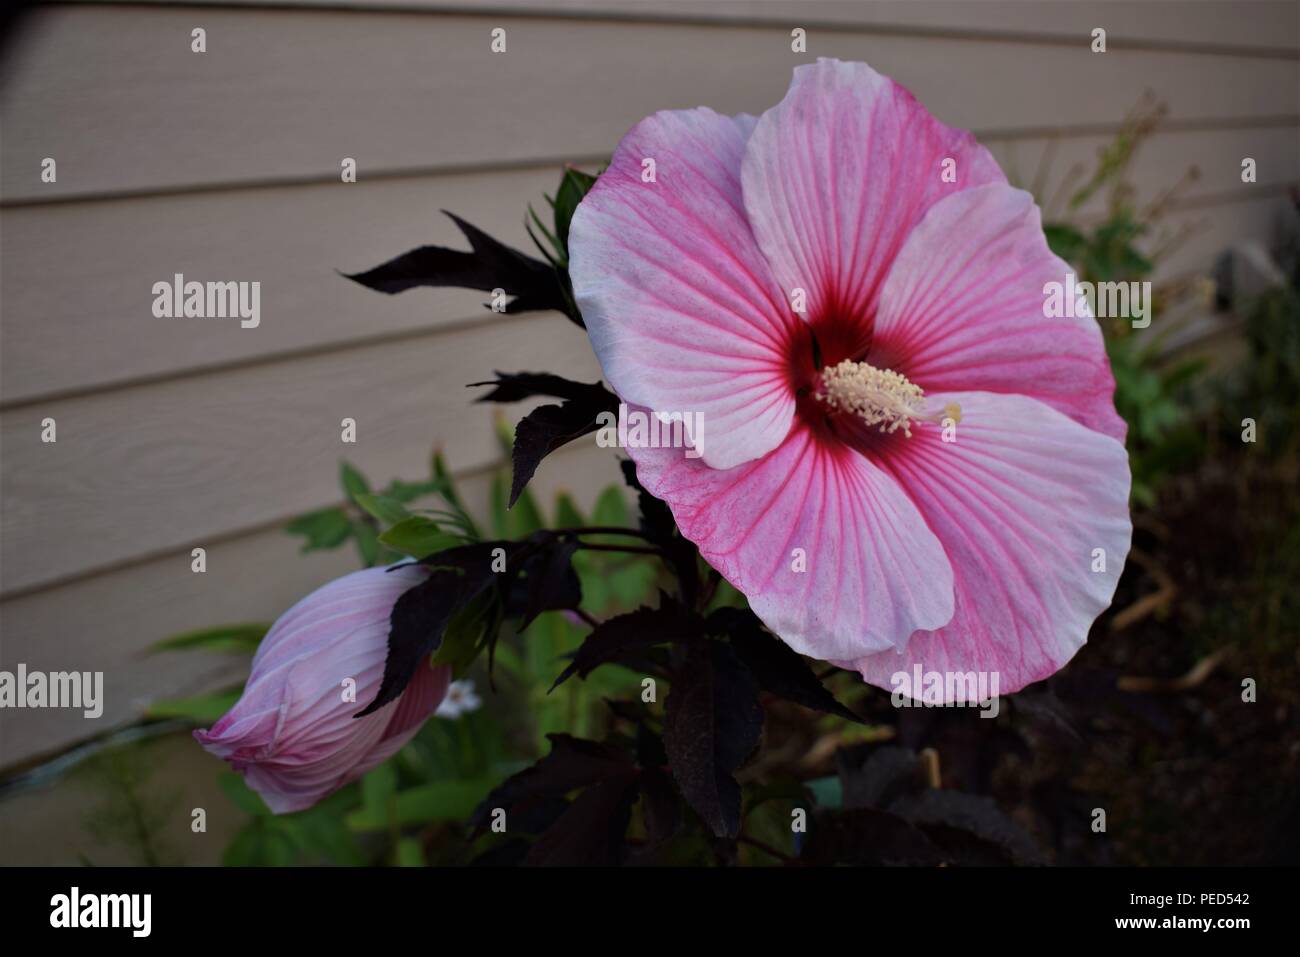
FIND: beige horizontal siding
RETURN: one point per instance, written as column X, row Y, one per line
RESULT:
column 286, row 94
column 1246, row 25
column 224, row 166
column 158, row 467
column 71, row 279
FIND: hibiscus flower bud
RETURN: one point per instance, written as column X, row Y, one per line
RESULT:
column 292, row 734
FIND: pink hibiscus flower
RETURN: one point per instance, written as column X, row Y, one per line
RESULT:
column 905, row 461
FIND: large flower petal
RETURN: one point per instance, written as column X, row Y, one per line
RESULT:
column 1021, row 500
column 682, row 310
column 870, row 571
column 963, row 310
column 836, row 175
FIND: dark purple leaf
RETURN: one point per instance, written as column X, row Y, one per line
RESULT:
column 712, row 723
column 420, row 616
column 547, row 427
column 971, row 828
column 617, row 638
column 874, row 776
column 778, row 669
column 867, row 837
column 593, row 830
column 548, row 581
column 572, row 763
column 490, row 265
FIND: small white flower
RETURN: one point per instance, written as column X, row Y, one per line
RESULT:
column 460, row 699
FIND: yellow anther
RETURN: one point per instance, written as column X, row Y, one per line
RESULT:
column 879, row 397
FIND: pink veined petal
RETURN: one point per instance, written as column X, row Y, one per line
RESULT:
column 963, row 310
column 1020, row 500
column 836, row 175
column 679, row 303
column 873, row 572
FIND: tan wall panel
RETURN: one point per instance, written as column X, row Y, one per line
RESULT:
column 117, row 97
column 159, row 467
column 1269, row 24
column 78, row 277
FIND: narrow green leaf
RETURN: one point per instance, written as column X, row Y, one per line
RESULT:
column 199, row 709
column 353, row 482
column 235, row 638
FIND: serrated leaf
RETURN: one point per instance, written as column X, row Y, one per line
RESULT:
column 421, row 614
column 778, row 669
column 712, row 724
column 547, row 427
column 632, row 634
column 489, row 265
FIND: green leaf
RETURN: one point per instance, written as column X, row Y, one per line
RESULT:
column 321, row 832
column 632, row 581
column 242, row 796
column 525, row 517
column 611, row 508
column 200, row 709
column 418, row 537
column 243, row 639
column 555, row 255
column 567, row 513
column 497, row 506
column 377, row 790
column 328, row 528
column 1064, row 240
column 460, row 642
column 353, row 482
column 446, row 487
column 261, row 844
column 367, row 544
column 440, row 801
column 409, row 853
column 407, row 491
column 384, row 508
column 573, row 187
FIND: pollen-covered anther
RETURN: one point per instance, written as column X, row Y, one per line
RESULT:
column 876, row 396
